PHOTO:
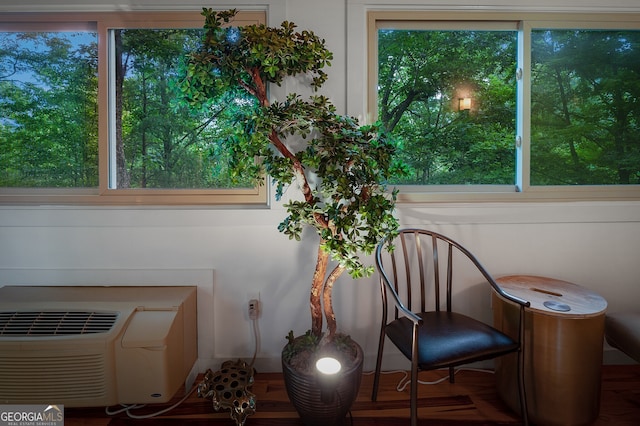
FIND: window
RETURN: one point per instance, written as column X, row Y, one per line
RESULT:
column 91, row 114
column 518, row 107
column 449, row 96
column 585, row 112
column 48, row 96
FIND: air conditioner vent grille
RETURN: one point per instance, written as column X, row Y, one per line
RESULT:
column 55, row 323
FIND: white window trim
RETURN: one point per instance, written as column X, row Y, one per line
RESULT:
column 361, row 94
column 103, row 195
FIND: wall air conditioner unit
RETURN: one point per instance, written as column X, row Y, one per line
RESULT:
column 95, row 346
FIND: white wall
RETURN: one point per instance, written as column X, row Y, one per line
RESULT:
column 236, row 254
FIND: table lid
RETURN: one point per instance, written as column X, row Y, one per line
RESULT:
column 554, row 296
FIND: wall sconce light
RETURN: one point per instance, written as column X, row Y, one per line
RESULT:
column 328, row 373
column 464, row 104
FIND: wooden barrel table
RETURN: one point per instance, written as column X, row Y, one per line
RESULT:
column 563, row 345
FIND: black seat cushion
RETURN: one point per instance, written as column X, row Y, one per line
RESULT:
column 449, row 339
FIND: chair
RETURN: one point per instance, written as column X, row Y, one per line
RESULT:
column 622, row 331
column 429, row 334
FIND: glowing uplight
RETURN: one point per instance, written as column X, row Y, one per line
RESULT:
column 328, row 378
column 328, row 365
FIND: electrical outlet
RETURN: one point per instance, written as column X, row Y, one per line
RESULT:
column 254, row 309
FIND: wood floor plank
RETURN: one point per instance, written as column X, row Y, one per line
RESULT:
column 471, row 401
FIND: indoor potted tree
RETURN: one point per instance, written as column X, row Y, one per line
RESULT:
column 340, row 167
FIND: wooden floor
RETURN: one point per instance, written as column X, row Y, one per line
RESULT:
column 472, row 400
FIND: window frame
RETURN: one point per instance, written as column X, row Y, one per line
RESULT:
column 102, row 22
column 525, row 22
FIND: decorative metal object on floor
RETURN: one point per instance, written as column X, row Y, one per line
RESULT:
column 227, row 389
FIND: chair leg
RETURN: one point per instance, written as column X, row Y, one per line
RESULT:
column 414, row 376
column 376, row 374
column 521, row 391
column 521, row 373
column 414, row 392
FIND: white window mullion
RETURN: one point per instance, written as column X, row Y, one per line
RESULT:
column 523, row 110
column 111, row 122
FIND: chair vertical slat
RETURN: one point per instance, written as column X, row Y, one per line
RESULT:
column 394, row 268
column 449, row 276
column 407, row 270
column 418, row 245
column 436, row 271
column 385, row 302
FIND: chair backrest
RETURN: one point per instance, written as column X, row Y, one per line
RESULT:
column 418, row 272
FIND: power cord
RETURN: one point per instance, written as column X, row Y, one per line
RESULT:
column 405, row 380
column 127, row 408
column 256, row 337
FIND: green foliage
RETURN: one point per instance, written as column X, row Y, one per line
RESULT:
column 306, row 342
column 420, row 76
column 303, row 351
column 165, row 143
column 229, row 55
column 585, row 114
column 342, row 167
column 585, row 107
column 48, row 115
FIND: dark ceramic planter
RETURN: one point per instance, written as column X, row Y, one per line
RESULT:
column 304, row 393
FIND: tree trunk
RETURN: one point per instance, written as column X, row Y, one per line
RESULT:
column 316, row 291
column 567, row 120
column 327, row 291
column 318, row 284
